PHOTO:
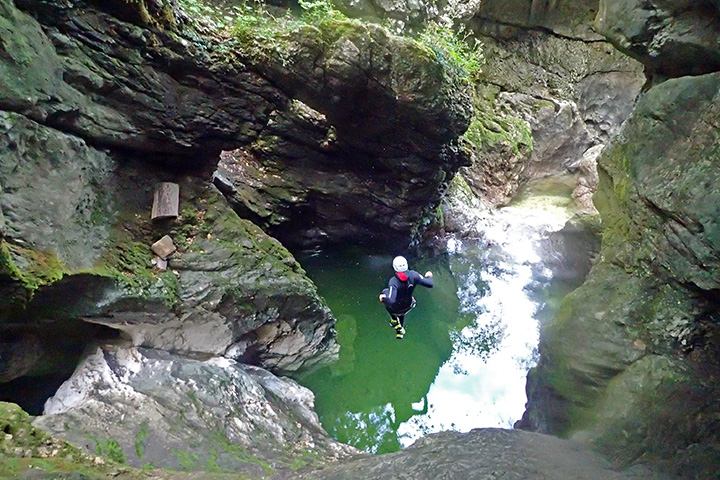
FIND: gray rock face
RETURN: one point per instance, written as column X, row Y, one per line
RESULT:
column 53, row 191
column 78, row 235
column 483, row 454
column 630, row 362
column 375, row 107
column 671, row 39
column 571, row 19
column 363, row 153
column 409, row 14
column 206, row 414
column 546, row 98
column 120, row 85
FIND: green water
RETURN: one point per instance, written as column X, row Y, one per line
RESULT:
column 370, row 391
column 471, row 339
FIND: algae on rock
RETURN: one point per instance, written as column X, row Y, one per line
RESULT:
column 651, row 299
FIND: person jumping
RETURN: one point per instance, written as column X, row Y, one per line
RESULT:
column 398, row 298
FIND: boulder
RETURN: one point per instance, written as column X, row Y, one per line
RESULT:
column 150, row 407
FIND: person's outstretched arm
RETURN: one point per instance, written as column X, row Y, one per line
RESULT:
column 427, row 280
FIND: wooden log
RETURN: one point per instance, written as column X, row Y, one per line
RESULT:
column 166, row 201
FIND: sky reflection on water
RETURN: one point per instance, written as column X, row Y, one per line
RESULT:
column 473, row 389
column 470, row 341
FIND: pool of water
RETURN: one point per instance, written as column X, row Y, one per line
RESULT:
column 469, row 343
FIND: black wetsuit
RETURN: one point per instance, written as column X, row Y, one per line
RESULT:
column 398, row 296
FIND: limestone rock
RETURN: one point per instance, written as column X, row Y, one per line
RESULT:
column 483, row 454
column 543, row 99
column 571, row 19
column 164, row 247
column 640, row 334
column 671, row 39
column 388, row 113
column 78, row 234
column 62, row 64
column 355, row 161
column 187, row 414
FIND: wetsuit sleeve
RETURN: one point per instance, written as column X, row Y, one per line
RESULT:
column 425, row 282
column 390, row 293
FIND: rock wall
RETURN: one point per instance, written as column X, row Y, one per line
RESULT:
column 671, row 39
column 101, row 101
column 629, row 365
column 552, row 92
column 364, row 150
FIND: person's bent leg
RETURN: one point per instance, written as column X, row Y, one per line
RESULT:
column 399, row 329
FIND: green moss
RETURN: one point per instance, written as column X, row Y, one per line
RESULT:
column 140, row 438
column 31, row 268
column 188, row 461
column 25, row 448
column 489, row 128
column 112, row 450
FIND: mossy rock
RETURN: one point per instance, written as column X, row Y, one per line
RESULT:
column 25, row 449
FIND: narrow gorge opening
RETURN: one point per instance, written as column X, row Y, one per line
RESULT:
column 471, row 339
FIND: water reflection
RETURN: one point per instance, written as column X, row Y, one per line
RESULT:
column 469, row 342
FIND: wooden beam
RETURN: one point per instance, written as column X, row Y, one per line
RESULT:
column 166, row 202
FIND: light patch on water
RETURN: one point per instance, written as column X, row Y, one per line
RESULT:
column 487, row 389
column 364, row 428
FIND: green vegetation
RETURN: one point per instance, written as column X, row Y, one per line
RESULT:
column 260, row 32
column 39, row 268
column 188, row 461
column 489, row 127
column 25, row 448
column 456, row 50
column 111, row 449
column 140, row 438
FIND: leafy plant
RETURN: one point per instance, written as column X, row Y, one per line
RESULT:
column 455, row 49
column 317, row 11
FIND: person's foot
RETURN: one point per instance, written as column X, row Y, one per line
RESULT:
column 399, row 333
column 394, row 323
